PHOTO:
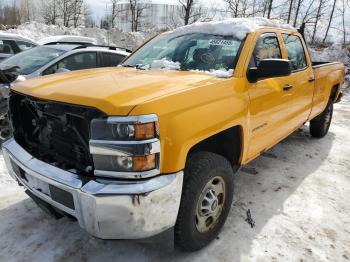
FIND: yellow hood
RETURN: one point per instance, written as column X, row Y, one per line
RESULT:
column 115, row 91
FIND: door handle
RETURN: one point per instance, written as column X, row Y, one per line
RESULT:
column 287, row 87
column 311, row 79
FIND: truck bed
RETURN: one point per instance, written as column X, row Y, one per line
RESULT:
column 321, row 64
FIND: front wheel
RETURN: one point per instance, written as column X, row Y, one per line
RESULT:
column 206, row 200
column 319, row 126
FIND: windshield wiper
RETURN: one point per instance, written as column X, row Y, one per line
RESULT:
column 138, row 66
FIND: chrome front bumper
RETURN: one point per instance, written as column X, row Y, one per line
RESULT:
column 107, row 209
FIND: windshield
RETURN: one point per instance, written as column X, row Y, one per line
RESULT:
column 197, row 51
column 33, row 59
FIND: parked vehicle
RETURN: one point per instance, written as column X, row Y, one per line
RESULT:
column 55, row 58
column 11, row 44
column 133, row 151
column 67, row 39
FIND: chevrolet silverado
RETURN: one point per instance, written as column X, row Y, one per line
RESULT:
column 130, row 152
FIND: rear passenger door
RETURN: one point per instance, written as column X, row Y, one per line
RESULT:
column 269, row 101
column 302, row 78
column 80, row 61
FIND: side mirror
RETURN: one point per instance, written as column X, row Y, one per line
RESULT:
column 269, row 68
column 8, row 73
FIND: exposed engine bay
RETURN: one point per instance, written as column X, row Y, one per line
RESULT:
column 54, row 132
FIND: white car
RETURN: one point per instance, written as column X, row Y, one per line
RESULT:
column 11, row 44
column 67, row 39
column 57, row 58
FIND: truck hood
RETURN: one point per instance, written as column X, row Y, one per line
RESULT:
column 115, row 91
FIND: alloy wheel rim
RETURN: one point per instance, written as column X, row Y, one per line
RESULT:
column 210, row 204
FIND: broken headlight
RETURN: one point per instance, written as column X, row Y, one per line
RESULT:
column 125, row 147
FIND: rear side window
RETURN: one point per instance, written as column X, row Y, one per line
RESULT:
column 74, row 62
column 295, row 51
column 22, row 45
column 5, row 47
column 267, row 47
column 109, row 59
column 78, row 62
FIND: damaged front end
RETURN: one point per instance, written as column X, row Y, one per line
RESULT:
column 8, row 74
column 53, row 132
column 101, row 170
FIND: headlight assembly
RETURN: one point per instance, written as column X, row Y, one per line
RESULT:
column 125, row 147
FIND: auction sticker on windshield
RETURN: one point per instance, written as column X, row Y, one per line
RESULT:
column 222, row 42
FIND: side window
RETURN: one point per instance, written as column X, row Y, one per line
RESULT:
column 22, row 45
column 295, row 51
column 109, row 59
column 5, row 47
column 78, row 62
column 267, row 47
column 73, row 62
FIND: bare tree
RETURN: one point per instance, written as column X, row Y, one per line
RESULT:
column 343, row 11
column 191, row 11
column 319, row 13
column 233, row 7
column 137, row 10
column 78, row 12
column 290, row 11
column 330, row 21
column 27, row 10
column 89, row 21
column 297, row 12
column 66, row 11
column 49, row 10
column 116, row 9
column 269, row 8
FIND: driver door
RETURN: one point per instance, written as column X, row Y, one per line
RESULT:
column 270, row 100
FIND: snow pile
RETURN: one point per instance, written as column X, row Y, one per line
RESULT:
column 238, row 27
column 219, row 73
column 116, row 37
column 165, row 64
column 336, row 52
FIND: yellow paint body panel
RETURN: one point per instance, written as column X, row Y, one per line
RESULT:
column 193, row 106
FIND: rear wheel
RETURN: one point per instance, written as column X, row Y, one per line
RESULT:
column 319, row 126
column 206, row 200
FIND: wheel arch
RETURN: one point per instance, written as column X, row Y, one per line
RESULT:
column 227, row 143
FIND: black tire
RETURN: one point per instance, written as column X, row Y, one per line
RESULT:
column 201, row 168
column 319, row 126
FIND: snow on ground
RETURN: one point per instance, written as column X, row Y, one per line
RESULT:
column 238, row 27
column 36, row 31
column 298, row 195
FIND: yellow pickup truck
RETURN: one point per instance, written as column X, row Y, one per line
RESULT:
column 152, row 145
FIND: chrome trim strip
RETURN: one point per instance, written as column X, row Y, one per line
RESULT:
column 133, row 119
column 101, row 148
column 107, row 151
column 114, row 142
column 126, row 187
column 127, row 175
